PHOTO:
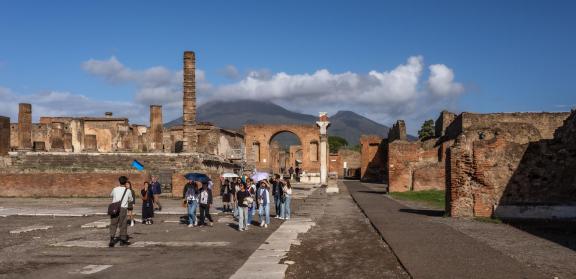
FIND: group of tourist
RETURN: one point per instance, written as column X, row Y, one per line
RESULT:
column 126, row 196
column 242, row 197
column 245, row 196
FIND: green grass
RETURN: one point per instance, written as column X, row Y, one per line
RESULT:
column 434, row 198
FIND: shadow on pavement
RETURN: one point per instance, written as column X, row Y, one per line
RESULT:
column 373, row 192
column 426, row 212
column 562, row 232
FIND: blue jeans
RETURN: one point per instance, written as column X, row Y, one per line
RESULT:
column 264, row 211
column 285, row 210
column 242, row 217
column 277, row 204
column 250, row 214
column 192, row 205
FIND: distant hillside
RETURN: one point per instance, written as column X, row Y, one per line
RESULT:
column 234, row 114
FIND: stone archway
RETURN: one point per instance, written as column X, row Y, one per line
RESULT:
column 257, row 143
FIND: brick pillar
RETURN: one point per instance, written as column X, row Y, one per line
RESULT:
column 57, row 137
column 90, row 143
column 24, row 126
column 4, row 135
column 156, row 128
column 190, row 140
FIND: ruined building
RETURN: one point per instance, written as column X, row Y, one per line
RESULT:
column 89, row 153
column 499, row 164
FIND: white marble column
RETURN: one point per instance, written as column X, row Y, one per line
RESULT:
column 323, row 124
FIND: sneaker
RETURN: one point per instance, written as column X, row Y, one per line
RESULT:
column 240, row 229
column 195, row 223
column 159, row 208
column 124, row 243
column 261, row 224
column 265, row 225
column 132, row 223
column 191, row 225
column 112, row 242
column 211, row 224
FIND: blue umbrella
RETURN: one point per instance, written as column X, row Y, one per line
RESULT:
column 200, row 177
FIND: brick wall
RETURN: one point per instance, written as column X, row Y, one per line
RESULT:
column 373, row 158
column 485, row 174
column 46, row 174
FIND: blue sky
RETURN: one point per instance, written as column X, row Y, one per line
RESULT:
column 383, row 59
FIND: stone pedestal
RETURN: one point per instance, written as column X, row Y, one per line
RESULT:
column 323, row 124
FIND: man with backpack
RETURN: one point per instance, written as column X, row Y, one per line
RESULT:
column 276, row 193
column 205, row 198
column 120, row 194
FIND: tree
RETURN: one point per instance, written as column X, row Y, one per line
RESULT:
column 427, row 130
column 335, row 143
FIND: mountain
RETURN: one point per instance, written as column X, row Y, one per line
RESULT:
column 233, row 114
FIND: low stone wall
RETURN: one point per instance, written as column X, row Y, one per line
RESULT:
column 35, row 174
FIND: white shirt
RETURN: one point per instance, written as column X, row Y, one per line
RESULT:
column 117, row 194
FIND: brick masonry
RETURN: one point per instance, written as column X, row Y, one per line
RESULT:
column 373, row 158
column 4, row 135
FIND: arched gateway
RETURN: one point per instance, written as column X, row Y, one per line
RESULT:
column 258, row 145
column 313, row 140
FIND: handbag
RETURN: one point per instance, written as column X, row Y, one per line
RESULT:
column 114, row 208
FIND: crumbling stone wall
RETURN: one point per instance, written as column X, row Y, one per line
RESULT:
column 414, row 166
column 502, row 162
column 373, row 157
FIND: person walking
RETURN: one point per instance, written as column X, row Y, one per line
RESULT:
column 147, row 203
column 243, row 198
column 251, row 206
column 131, row 204
column 205, row 197
column 264, row 203
column 226, row 193
column 157, row 190
column 120, row 194
column 191, row 201
column 235, row 199
column 277, row 193
column 287, row 199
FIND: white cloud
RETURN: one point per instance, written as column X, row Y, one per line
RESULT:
column 441, row 81
column 401, row 93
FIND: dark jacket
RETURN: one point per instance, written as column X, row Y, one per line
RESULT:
column 186, row 187
column 241, row 195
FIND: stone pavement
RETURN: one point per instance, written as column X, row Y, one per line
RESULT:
column 430, row 249
column 58, row 247
column 342, row 244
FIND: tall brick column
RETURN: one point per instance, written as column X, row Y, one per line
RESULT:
column 4, row 135
column 190, row 140
column 156, row 128
column 24, row 126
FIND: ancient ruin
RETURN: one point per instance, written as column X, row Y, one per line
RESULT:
column 83, row 156
column 501, row 164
